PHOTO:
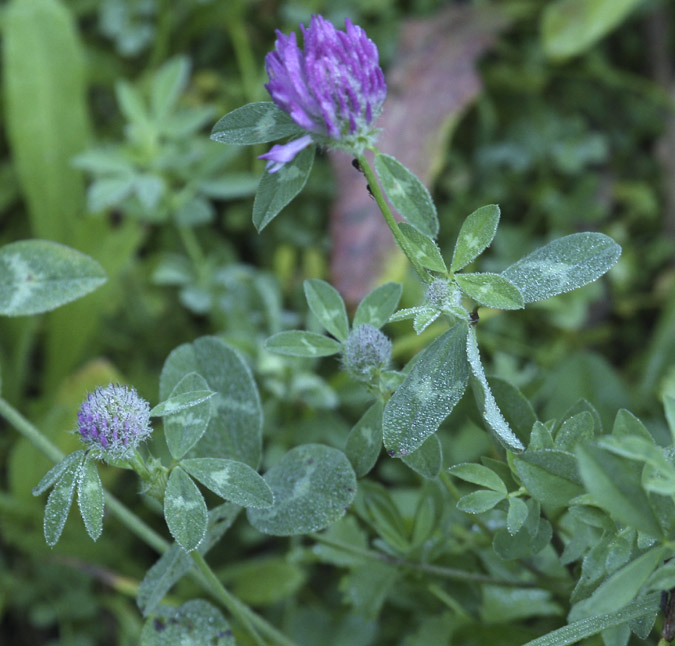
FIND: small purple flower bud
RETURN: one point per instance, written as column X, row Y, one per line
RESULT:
column 367, row 352
column 334, row 89
column 114, row 420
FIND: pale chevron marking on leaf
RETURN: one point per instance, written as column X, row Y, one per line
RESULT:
column 24, row 278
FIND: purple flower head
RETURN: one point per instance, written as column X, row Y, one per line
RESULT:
column 114, row 420
column 334, row 89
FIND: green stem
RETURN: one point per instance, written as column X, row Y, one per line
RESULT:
column 22, row 349
column 389, row 218
column 32, row 434
column 437, row 570
column 192, row 246
column 231, row 603
column 162, row 35
column 207, row 579
column 241, row 44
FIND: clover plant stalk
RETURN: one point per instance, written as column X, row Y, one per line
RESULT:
column 389, row 218
column 238, row 609
column 452, row 574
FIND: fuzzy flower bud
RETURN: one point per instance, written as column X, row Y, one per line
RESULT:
column 334, row 89
column 114, row 420
column 438, row 294
column 367, row 351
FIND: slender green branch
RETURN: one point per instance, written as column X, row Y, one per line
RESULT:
column 445, row 598
column 205, row 577
column 241, row 611
column 228, row 601
column 437, row 570
column 160, row 46
column 241, row 44
column 389, row 218
column 32, row 434
column 192, row 246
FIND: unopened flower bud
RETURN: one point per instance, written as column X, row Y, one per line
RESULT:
column 367, row 351
column 438, row 294
column 114, row 420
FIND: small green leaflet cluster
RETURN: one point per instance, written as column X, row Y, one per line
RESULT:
column 441, row 372
column 364, row 442
column 327, row 305
column 202, row 366
column 617, row 490
column 309, row 489
column 74, row 471
column 164, row 170
column 213, row 428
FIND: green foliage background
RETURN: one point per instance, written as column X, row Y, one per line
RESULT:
column 104, row 147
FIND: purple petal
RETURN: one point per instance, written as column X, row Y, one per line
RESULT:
column 334, row 88
column 283, row 153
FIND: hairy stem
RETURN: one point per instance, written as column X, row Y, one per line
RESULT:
column 377, row 194
column 437, row 570
column 231, row 603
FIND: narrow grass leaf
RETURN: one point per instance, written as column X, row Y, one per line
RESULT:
column 578, row 630
column 621, row 587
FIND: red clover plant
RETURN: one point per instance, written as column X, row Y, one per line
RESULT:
column 329, row 93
